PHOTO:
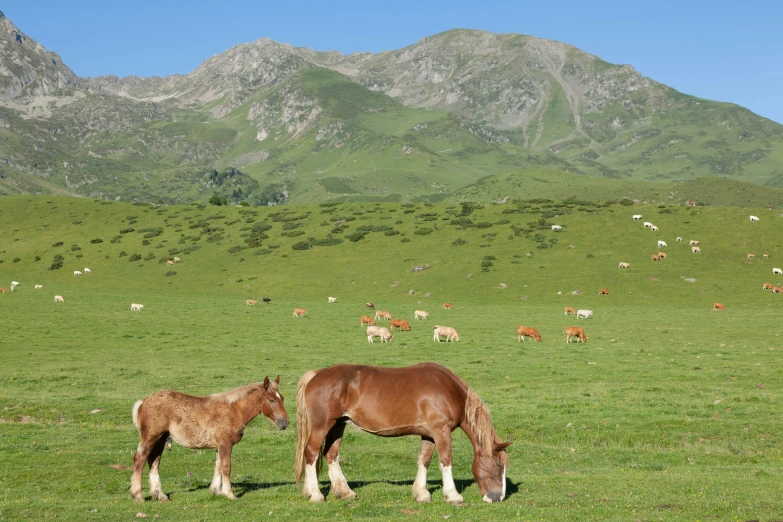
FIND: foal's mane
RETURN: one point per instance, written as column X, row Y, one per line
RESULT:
column 479, row 421
column 232, row 396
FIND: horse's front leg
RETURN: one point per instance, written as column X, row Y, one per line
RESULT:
column 224, row 454
column 217, row 480
column 340, row 488
column 443, row 444
column 420, row 492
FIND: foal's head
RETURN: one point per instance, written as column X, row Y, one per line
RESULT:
column 272, row 403
column 490, row 472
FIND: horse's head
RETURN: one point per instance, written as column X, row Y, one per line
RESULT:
column 272, row 403
column 490, row 472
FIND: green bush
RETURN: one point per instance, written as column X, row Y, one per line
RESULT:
column 58, row 244
column 423, row 231
column 57, row 262
column 134, row 257
column 96, row 241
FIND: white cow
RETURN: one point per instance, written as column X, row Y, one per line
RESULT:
column 679, row 238
column 14, row 284
column 654, row 228
column 176, row 259
column 446, row 331
column 332, row 299
column 637, row 217
column 693, row 242
column 647, row 224
column 379, row 331
column 754, row 218
column 777, row 271
column 420, row 314
column 38, row 287
column 583, row 313
column 625, row 265
column 59, row 299
column 662, row 243
column 135, row 307
column 696, row 250
column 87, row 270
column 555, row 228
column 77, row 273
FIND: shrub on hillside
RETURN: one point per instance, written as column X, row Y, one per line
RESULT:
column 423, row 231
column 356, row 236
column 171, row 273
column 57, row 262
column 74, row 248
column 459, row 241
column 96, row 241
column 134, row 257
column 58, row 244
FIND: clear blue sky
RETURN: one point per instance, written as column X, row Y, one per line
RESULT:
column 702, row 48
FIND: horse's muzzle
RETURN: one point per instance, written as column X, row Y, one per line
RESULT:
column 493, row 496
column 282, row 423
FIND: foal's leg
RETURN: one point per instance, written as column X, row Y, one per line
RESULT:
column 340, row 488
column 139, row 459
column 443, row 444
column 156, row 489
column 224, row 454
column 420, row 492
column 217, row 480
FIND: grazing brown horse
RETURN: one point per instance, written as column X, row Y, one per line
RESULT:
column 217, row 421
column 426, row 399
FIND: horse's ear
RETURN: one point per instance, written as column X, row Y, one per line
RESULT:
column 266, row 383
column 277, row 380
column 502, row 446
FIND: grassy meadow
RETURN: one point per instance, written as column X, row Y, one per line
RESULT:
column 670, row 411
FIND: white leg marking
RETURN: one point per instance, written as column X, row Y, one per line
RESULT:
column 420, row 492
column 503, row 493
column 311, row 490
column 449, row 488
column 340, row 488
column 217, row 480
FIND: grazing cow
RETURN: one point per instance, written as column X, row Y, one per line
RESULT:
column 693, row 242
column 654, row 228
column 751, row 256
column 603, row 291
column 679, row 238
column 777, row 290
column 555, row 228
column 765, row 256
column 332, row 299
column 59, row 299
column 655, row 258
column 624, row 265
column 366, row 319
column 136, row 307
column 448, row 306
column 87, row 270
column 662, row 244
column 777, row 271
column 77, row 273
column 299, row 312
column 718, row 306
column 637, row 217
column 696, row 250
column 177, row 260
column 647, row 224
column 170, row 262
column 766, row 286
column 690, row 203
column 370, row 306
column 754, row 218
column 382, row 314
column 528, row 331
column 3, row 290
column 584, row 313
column 575, row 331
column 402, row 324
column 420, row 314
column 379, row 331
column 663, row 255
column 15, row 283
column 446, row 331
column 251, row 302
column 569, row 311
column 38, row 287
column 266, row 300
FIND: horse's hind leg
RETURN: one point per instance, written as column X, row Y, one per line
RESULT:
column 139, row 459
column 311, row 454
column 340, row 488
column 153, row 459
column 217, row 481
column 420, row 492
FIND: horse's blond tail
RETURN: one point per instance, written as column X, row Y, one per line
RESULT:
column 136, row 407
column 303, row 427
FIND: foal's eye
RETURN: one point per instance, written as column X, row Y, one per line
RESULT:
column 272, row 401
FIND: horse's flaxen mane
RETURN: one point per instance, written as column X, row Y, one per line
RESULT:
column 232, row 396
column 479, row 421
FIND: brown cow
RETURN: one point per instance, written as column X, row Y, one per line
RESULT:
column 569, row 311
column 402, row 324
column 575, row 331
column 251, row 302
column 369, row 305
column 663, row 255
column 603, row 291
column 523, row 331
column 718, row 306
column 777, row 290
column 448, row 306
column 654, row 258
column 299, row 312
column 366, row 319
column 3, row 290
column 766, row 286
column 383, row 314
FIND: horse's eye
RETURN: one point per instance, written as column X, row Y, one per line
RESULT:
column 272, row 401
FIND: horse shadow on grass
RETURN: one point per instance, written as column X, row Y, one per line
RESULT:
column 243, row 487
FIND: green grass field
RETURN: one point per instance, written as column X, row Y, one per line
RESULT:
column 669, row 412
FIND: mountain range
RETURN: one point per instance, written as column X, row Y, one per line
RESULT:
column 270, row 123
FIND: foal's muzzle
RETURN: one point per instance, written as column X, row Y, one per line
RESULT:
column 282, row 423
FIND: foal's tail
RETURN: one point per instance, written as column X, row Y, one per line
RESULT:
column 303, row 427
column 136, row 413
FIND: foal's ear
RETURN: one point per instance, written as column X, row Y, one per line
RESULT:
column 277, row 380
column 502, row 446
column 266, row 383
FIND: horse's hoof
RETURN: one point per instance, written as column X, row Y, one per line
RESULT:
column 456, row 500
column 423, row 496
column 315, row 499
column 163, row 498
column 348, row 495
column 138, row 498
